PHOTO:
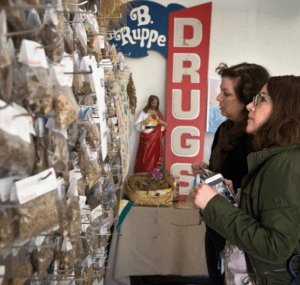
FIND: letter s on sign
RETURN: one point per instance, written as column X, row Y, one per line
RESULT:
column 194, row 144
column 176, row 170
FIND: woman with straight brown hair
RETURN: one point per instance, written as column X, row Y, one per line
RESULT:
column 266, row 226
column 231, row 144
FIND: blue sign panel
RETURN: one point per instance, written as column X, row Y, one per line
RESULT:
column 147, row 29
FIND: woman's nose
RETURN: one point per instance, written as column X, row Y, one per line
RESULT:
column 250, row 107
column 219, row 97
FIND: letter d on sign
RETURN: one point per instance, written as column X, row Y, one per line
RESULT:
column 179, row 40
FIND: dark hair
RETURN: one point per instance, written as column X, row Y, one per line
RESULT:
column 150, row 100
column 283, row 126
column 250, row 78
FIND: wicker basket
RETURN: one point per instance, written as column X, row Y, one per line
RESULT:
column 148, row 197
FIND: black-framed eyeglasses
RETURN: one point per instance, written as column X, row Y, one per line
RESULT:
column 257, row 98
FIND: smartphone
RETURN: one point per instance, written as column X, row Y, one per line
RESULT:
column 217, row 181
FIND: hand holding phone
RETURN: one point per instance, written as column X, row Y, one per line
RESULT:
column 217, row 181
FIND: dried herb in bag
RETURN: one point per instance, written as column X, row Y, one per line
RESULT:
column 68, row 38
column 52, row 35
column 69, row 216
column 19, row 89
column 33, row 22
column 9, row 223
column 66, row 107
column 93, row 131
column 66, row 260
column 16, row 18
column 42, row 256
column 80, row 36
column 57, row 151
column 16, row 155
column 38, row 215
column 41, row 163
column 91, row 169
column 19, row 268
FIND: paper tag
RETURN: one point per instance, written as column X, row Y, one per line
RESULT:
column 69, row 245
column 13, row 124
column 2, row 272
column 61, row 189
column 82, row 200
column 103, row 230
column 96, row 212
column 92, row 154
column 85, row 223
column 114, row 120
column 72, row 191
column 39, row 240
column 6, row 186
column 39, row 127
column 57, row 73
column 98, row 43
column 50, row 126
column 77, row 172
column 29, row 188
column 15, row 251
column 32, row 54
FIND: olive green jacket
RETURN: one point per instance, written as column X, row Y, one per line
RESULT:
column 267, row 224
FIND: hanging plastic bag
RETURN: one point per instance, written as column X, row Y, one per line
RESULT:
column 93, row 131
column 91, row 169
column 80, row 37
column 19, row 89
column 52, row 35
column 33, row 23
column 57, row 151
column 16, row 17
column 66, row 260
column 5, row 63
column 66, row 107
column 69, row 39
column 9, row 222
column 42, row 256
column 17, row 152
column 33, row 56
column 36, row 194
column 19, row 267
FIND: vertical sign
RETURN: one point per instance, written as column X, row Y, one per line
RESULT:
column 188, row 52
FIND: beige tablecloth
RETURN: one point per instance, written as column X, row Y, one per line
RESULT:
column 150, row 244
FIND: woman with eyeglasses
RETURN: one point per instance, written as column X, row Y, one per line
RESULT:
column 266, row 226
column 231, row 144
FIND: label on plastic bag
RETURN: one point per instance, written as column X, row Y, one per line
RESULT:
column 57, row 73
column 73, row 190
column 32, row 54
column 16, row 125
column 96, row 212
column 6, row 186
column 29, row 188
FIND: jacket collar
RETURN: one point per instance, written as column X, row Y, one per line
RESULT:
column 256, row 158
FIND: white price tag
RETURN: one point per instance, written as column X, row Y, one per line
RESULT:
column 16, row 125
column 6, row 186
column 29, row 188
column 32, row 54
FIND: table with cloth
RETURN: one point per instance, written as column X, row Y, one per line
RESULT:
column 157, row 241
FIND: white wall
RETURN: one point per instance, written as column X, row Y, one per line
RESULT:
column 265, row 32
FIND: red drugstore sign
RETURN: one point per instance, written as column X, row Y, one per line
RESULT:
column 188, row 53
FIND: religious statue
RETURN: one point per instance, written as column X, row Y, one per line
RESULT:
column 152, row 127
